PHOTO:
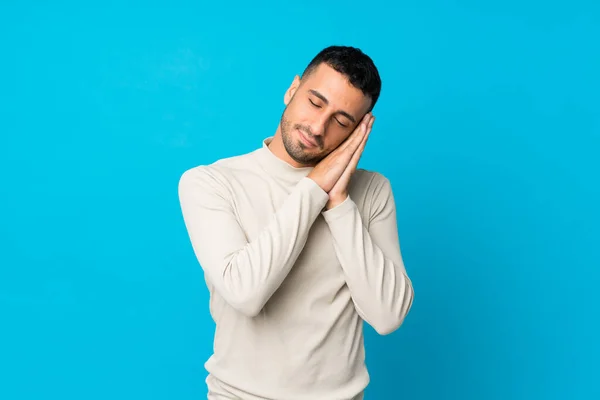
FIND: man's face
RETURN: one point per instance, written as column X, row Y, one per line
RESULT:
column 321, row 112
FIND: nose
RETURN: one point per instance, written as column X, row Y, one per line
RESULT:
column 319, row 125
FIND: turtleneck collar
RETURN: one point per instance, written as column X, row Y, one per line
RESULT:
column 276, row 167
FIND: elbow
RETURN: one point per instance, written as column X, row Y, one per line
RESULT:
column 245, row 298
column 384, row 322
column 391, row 321
column 248, row 308
column 250, row 305
column 387, row 325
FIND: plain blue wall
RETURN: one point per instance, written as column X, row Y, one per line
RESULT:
column 488, row 127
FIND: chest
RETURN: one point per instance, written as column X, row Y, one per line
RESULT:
column 261, row 208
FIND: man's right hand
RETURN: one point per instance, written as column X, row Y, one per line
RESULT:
column 329, row 170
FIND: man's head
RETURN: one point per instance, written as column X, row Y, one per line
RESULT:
column 338, row 87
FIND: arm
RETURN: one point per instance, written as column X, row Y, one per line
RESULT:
column 371, row 258
column 245, row 273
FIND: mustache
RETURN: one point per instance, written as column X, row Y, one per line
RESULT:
column 306, row 130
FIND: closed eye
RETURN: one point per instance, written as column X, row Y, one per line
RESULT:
column 338, row 121
column 316, row 105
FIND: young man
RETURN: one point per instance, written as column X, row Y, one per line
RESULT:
column 298, row 246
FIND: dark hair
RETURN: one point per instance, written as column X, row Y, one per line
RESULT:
column 354, row 64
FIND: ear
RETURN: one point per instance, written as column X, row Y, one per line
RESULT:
column 291, row 90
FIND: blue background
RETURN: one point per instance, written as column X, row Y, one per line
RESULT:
column 488, row 127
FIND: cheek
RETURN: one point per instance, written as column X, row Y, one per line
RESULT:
column 304, row 113
column 333, row 140
column 298, row 109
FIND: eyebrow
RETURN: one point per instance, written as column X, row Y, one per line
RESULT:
column 324, row 99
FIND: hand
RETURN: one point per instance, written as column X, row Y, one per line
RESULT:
column 330, row 169
column 339, row 192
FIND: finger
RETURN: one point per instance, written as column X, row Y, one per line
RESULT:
column 349, row 146
column 352, row 164
column 359, row 150
column 359, row 130
column 371, row 122
column 365, row 133
column 359, row 133
column 363, row 143
column 365, row 124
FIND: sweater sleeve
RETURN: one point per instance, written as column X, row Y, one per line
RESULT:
column 371, row 259
column 245, row 273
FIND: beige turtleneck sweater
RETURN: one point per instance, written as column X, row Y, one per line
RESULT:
column 290, row 283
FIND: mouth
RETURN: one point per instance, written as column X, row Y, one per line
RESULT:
column 305, row 140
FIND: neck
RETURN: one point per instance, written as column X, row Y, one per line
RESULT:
column 278, row 149
column 276, row 164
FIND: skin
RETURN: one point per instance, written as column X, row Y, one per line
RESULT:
column 325, row 109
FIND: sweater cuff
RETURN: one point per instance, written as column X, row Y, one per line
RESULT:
column 340, row 210
column 315, row 191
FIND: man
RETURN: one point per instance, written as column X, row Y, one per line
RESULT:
column 298, row 246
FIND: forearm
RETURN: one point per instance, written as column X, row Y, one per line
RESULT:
column 246, row 273
column 377, row 279
column 254, row 272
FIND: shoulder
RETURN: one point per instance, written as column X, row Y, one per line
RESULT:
column 372, row 191
column 372, row 183
column 213, row 177
column 217, row 171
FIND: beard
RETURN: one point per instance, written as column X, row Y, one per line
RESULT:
column 296, row 149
